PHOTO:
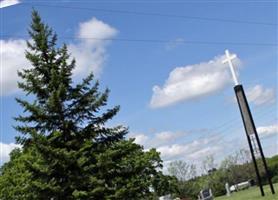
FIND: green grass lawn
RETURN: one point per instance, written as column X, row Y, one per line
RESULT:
column 252, row 193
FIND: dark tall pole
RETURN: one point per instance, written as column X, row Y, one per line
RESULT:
column 249, row 128
column 264, row 163
column 249, row 125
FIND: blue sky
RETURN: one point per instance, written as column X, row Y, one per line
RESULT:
column 164, row 69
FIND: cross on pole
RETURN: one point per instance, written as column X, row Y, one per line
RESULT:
column 249, row 125
column 228, row 60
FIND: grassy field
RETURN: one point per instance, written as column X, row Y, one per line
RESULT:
column 252, row 194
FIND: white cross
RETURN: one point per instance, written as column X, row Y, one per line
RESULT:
column 229, row 61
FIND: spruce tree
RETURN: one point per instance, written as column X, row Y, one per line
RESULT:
column 67, row 151
column 63, row 122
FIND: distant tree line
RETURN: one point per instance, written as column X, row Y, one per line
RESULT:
column 233, row 169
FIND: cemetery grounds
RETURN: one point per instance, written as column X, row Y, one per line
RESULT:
column 252, row 193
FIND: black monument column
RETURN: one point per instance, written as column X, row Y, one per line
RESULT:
column 250, row 130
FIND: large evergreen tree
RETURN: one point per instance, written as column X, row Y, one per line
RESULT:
column 67, row 151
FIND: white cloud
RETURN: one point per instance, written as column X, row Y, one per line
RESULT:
column 5, row 150
column 194, row 151
column 197, row 149
column 265, row 131
column 171, row 145
column 158, row 139
column 12, row 59
column 90, row 54
column 260, row 95
column 175, row 145
column 6, row 3
column 191, row 82
column 166, row 136
column 202, row 153
column 141, row 139
column 172, row 151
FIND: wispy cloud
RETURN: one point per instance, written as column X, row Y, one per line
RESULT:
column 90, row 54
column 204, row 152
column 191, row 82
column 267, row 131
column 175, row 145
column 174, row 44
column 260, row 95
column 195, row 150
column 6, row 3
column 171, row 145
column 157, row 139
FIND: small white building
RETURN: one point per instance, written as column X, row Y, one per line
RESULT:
column 240, row 186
